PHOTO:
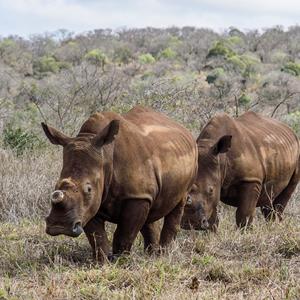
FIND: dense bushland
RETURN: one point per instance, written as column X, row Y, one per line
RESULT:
column 189, row 73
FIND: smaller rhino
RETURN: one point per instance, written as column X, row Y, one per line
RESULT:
column 248, row 162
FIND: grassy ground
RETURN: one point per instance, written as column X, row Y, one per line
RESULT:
column 263, row 263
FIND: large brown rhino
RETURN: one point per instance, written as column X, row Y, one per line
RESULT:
column 248, row 162
column 132, row 170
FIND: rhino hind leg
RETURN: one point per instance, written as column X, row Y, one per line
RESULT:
column 283, row 198
column 268, row 212
column 151, row 234
column 171, row 224
column 133, row 217
column 249, row 193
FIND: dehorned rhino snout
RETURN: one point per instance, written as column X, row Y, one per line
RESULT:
column 57, row 196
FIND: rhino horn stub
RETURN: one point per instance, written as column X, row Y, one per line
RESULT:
column 57, row 196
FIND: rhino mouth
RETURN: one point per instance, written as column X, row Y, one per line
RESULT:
column 204, row 225
column 73, row 231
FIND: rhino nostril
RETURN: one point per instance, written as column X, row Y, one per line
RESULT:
column 189, row 200
column 204, row 223
column 77, row 228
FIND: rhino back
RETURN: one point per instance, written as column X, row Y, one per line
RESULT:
column 263, row 150
column 161, row 160
column 276, row 145
column 154, row 158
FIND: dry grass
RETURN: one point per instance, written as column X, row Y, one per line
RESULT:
column 26, row 183
column 262, row 263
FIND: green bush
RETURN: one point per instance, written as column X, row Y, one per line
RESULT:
column 220, row 49
column 19, row 140
column 244, row 99
column 46, row 64
column 237, row 62
column 235, row 40
column 167, row 53
column 123, row 55
column 214, row 75
column 249, row 59
column 96, row 57
column 146, row 59
column 244, row 64
column 291, row 68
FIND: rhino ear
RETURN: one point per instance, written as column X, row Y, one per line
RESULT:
column 107, row 135
column 55, row 137
column 222, row 145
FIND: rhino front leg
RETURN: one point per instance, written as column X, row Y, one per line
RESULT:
column 171, row 224
column 249, row 194
column 213, row 221
column 96, row 234
column 151, row 234
column 133, row 217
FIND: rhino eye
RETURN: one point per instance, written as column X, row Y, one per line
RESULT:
column 210, row 190
column 87, row 189
column 194, row 188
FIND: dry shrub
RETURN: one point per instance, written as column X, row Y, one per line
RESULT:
column 26, row 183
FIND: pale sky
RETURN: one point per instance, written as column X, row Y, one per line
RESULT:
column 25, row 17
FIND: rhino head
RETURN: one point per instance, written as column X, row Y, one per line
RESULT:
column 79, row 190
column 205, row 193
